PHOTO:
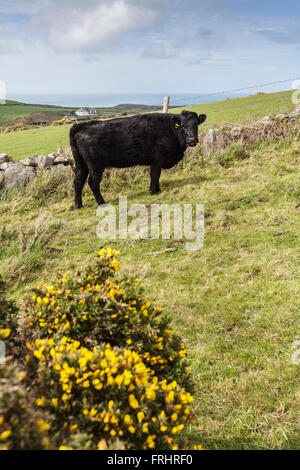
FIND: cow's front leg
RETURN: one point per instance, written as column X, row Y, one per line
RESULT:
column 155, row 174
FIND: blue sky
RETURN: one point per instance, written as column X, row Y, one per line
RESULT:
column 155, row 46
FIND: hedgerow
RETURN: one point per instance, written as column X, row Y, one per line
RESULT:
column 101, row 365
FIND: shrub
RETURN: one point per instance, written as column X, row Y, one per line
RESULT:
column 94, row 307
column 22, row 426
column 107, row 392
column 102, row 366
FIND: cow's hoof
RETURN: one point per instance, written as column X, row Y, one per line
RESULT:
column 155, row 192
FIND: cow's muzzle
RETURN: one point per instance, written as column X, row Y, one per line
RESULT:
column 192, row 142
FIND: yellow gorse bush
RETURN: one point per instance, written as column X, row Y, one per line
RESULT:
column 108, row 392
column 103, row 367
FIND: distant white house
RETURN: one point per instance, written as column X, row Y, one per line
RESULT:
column 86, row 112
column 69, row 118
column 82, row 112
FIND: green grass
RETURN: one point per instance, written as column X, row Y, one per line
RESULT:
column 12, row 110
column 235, row 302
column 242, row 109
column 45, row 140
column 35, row 141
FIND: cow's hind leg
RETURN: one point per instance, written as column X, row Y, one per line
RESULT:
column 94, row 182
column 81, row 173
column 155, row 172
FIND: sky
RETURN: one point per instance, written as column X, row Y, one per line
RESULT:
column 147, row 46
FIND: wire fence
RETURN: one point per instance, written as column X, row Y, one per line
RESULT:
column 236, row 90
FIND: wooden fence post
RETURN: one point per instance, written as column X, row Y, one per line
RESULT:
column 166, row 104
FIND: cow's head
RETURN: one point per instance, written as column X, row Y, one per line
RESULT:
column 188, row 123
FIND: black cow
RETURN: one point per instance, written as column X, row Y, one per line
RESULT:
column 155, row 140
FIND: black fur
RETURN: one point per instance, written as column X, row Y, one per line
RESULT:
column 155, row 140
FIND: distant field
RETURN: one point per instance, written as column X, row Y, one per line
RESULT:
column 45, row 140
column 13, row 110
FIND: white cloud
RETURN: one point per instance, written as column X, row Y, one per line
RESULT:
column 91, row 29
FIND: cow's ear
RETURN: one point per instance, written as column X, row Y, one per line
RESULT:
column 176, row 120
column 201, row 118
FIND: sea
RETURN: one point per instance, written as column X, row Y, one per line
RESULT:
column 99, row 100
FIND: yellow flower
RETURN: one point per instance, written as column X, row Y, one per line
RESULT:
column 43, row 425
column 145, row 428
column 73, row 427
column 5, row 332
column 127, row 420
column 150, row 441
column 65, row 448
column 133, row 401
column 140, row 416
column 5, row 435
column 93, row 412
column 131, row 429
column 150, row 394
column 198, row 447
column 170, row 397
column 102, row 445
column 111, row 404
column 40, row 401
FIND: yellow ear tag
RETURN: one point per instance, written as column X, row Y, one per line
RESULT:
column 177, row 125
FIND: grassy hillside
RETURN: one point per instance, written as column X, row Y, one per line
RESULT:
column 12, row 110
column 47, row 139
column 235, row 302
column 243, row 109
